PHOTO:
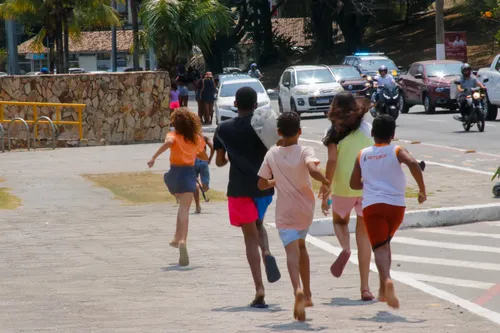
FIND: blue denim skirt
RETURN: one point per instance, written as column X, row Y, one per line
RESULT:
column 180, row 179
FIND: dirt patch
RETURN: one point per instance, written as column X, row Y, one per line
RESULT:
column 141, row 187
column 7, row 200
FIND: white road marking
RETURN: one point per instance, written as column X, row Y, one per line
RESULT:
column 495, row 224
column 436, row 120
column 406, row 279
column 458, row 233
column 488, row 266
column 448, row 281
column 445, row 245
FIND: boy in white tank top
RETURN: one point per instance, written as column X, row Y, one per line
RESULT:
column 378, row 173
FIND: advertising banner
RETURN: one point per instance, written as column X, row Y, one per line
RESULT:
column 456, row 45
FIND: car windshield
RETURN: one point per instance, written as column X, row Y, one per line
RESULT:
column 442, row 70
column 313, row 76
column 345, row 72
column 373, row 65
column 230, row 89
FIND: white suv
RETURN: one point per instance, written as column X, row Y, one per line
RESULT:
column 305, row 89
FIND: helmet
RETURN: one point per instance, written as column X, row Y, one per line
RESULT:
column 253, row 65
column 44, row 70
column 382, row 68
column 465, row 67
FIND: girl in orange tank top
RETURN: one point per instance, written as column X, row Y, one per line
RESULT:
column 184, row 143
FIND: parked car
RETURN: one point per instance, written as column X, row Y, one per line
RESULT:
column 428, row 83
column 3, row 74
column 351, row 80
column 490, row 77
column 232, row 76
column 77, row 71
column 224, row 104
column 306, row 89
column 230, row 70
column 368, row 64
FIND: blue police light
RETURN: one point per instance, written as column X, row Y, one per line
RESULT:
column 362, row 54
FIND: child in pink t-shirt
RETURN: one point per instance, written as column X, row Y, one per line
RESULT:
column 288, row 168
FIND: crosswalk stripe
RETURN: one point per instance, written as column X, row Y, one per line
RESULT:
column 448, row 262
column 445, row 245
column 448, row 281
column 495, row 224
column 458, row 233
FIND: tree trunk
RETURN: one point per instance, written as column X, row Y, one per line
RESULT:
column 322, row 28
column 268, row 50
column 135, row 29
column 59, row 44
column 66, row 42
column 407, row 12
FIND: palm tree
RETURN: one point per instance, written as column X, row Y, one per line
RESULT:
column 135, row 33
column 174, row 27
column 58, row 20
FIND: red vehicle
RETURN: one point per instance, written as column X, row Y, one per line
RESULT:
column 428, row 83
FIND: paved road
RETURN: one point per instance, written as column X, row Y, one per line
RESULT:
column 461, row 262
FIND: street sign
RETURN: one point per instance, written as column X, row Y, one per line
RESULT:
column 32, row 56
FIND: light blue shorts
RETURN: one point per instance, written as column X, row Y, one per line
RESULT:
column 291, row 235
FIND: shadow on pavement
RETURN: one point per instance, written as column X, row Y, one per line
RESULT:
column 248, row 308
column 342, row 301
column 387, row 317
column 178, row 268
column 294, row 326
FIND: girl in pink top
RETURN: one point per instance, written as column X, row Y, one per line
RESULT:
column 288, row 167
column 174, row 97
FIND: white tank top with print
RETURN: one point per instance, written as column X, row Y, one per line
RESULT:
column 383, row 178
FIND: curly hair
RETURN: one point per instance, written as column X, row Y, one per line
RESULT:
column 346, row 114
column 186, row 123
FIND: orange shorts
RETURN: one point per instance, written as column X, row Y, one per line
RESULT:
column 381, row 222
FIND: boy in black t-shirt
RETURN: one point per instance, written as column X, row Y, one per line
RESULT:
column 246, row 203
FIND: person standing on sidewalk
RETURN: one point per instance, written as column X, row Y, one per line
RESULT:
column 289, row 168
column 202, row 170
column 185, row 143
column 377, row 171
column 348, row 134
column 247, row 204
column 207, row 95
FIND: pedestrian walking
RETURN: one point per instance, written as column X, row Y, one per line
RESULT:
column 348, row 134
column 377, row 171
column 183, row 81
column 174, row 97
column 184, row 144
column 288, row 168
column 202, row 171
column 207, row 95
column 247, row 204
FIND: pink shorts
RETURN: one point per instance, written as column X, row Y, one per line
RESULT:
column 174, row 105
column 342, row 206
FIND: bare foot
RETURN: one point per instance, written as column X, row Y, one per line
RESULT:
column 198, row 210
column 299, row 309
column 183, row 254
column 381, row 295
column 174, row 243
column 390, row 293
column 308, row 303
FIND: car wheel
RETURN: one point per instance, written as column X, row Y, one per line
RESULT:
column 405, row 107
column 492, row 110
column 293, row 107
column 280, row 106
column 428, row 106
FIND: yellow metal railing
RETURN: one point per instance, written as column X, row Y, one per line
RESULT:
column 35, row 105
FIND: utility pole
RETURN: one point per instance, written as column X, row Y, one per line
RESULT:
column 113, row 43
column 440, row 53
column 11, row 31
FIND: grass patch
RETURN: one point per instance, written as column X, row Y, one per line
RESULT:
column 136, row 188
column 7, row 200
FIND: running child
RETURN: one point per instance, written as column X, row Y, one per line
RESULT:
column 184, row 143
column 247, row 204
column 202, row 171
column 288, row 168
column 174, row 97
column 378, row 172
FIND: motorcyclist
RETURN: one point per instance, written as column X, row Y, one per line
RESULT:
column 254, row 72
column 467, row 82
column 383, row 79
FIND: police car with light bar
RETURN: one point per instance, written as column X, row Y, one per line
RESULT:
column 368, row 64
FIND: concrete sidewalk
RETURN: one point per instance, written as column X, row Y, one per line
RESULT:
column 75, row 260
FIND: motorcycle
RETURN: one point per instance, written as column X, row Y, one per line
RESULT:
column 475, row 113
column 389, row 102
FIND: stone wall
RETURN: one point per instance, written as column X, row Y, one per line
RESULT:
column 120, row 108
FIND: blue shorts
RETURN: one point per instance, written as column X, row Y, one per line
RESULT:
column 180, row 179
column 262, row 203
column 201, row 168
column 288, row 236
column 183, row 91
